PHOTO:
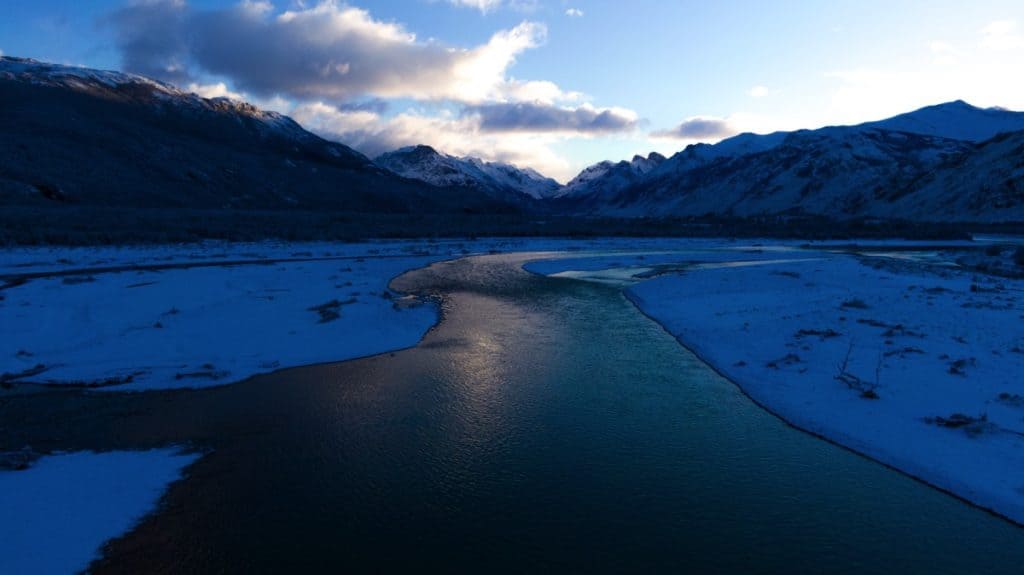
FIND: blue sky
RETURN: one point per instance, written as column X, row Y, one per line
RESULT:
column 555, row 85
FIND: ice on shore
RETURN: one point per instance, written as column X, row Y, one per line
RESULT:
column 56, row 515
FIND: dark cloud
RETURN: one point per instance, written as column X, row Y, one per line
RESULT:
column 699, row 129
column 331, row 51
column 535, row 117
column 151, row 36
column 375, row 105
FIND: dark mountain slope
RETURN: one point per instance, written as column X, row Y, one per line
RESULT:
column 71, row 136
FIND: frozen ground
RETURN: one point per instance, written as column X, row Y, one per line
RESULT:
column 55, row 516
column 920, row 366
column 208, row 325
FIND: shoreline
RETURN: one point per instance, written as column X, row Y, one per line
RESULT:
column 819, row 435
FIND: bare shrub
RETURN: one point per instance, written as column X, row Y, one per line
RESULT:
column 867, row 389
column 855, row 303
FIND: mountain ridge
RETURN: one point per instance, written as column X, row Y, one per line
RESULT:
column 498, row 180
column 74, row 136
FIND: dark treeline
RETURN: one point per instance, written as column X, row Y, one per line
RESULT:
column 108, row 226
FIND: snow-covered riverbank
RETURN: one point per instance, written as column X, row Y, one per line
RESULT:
column 59, row 512
column 190, row 316
column 918, row 366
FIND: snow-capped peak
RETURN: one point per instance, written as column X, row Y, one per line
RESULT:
column 424, row 163
column 607, row 177
column 126, row 86
column 44, row 73
column 955, row 120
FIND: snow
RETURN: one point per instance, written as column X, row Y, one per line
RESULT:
column 55, row 74
column 922, row 165
column 88, row 79
column 428, row 165
column 606, row 178
column 210, row 325
column 956, row 120
column 937, row 341
column 58, row 513
column 229, row 312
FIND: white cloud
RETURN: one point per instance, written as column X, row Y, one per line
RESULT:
column 1002, row 35
column 330, row 51
column 481, row 5
column 481, row 73
column 758, row 92
column 452, row 134
column 940, row 47
column 574, row 13
column 218, row 90
column 944, row 53
column 330, row 64
column 485, row 6
column 985, row 72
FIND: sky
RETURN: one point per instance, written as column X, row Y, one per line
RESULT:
column 554, row 85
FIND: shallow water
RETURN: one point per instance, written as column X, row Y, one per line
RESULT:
column 545, row 425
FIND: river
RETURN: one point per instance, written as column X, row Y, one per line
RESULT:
column 544, row 425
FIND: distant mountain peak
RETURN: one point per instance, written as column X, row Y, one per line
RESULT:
column 419, row 149
column 957, row 120
column 497, row 179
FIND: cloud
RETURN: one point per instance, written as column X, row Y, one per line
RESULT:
column 340, row 72
column 329, row 51
column 574, row 13
column 485, row 6
column 759, row 92
column 481, row 5
column 536, row 117
column 941, row 48
column 150, row 35
column 376, row 105
column 1002, row 35
column 984, row 71
column 458, row 135
column 699, row 128
column 218, row 90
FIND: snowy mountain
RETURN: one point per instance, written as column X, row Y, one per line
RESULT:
column 605, row 179
column 76, row 136
column 912, row 166
column 126, row 87
column 833, row 172
column 498, row 180
column 955, row 120
column 986, row 184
